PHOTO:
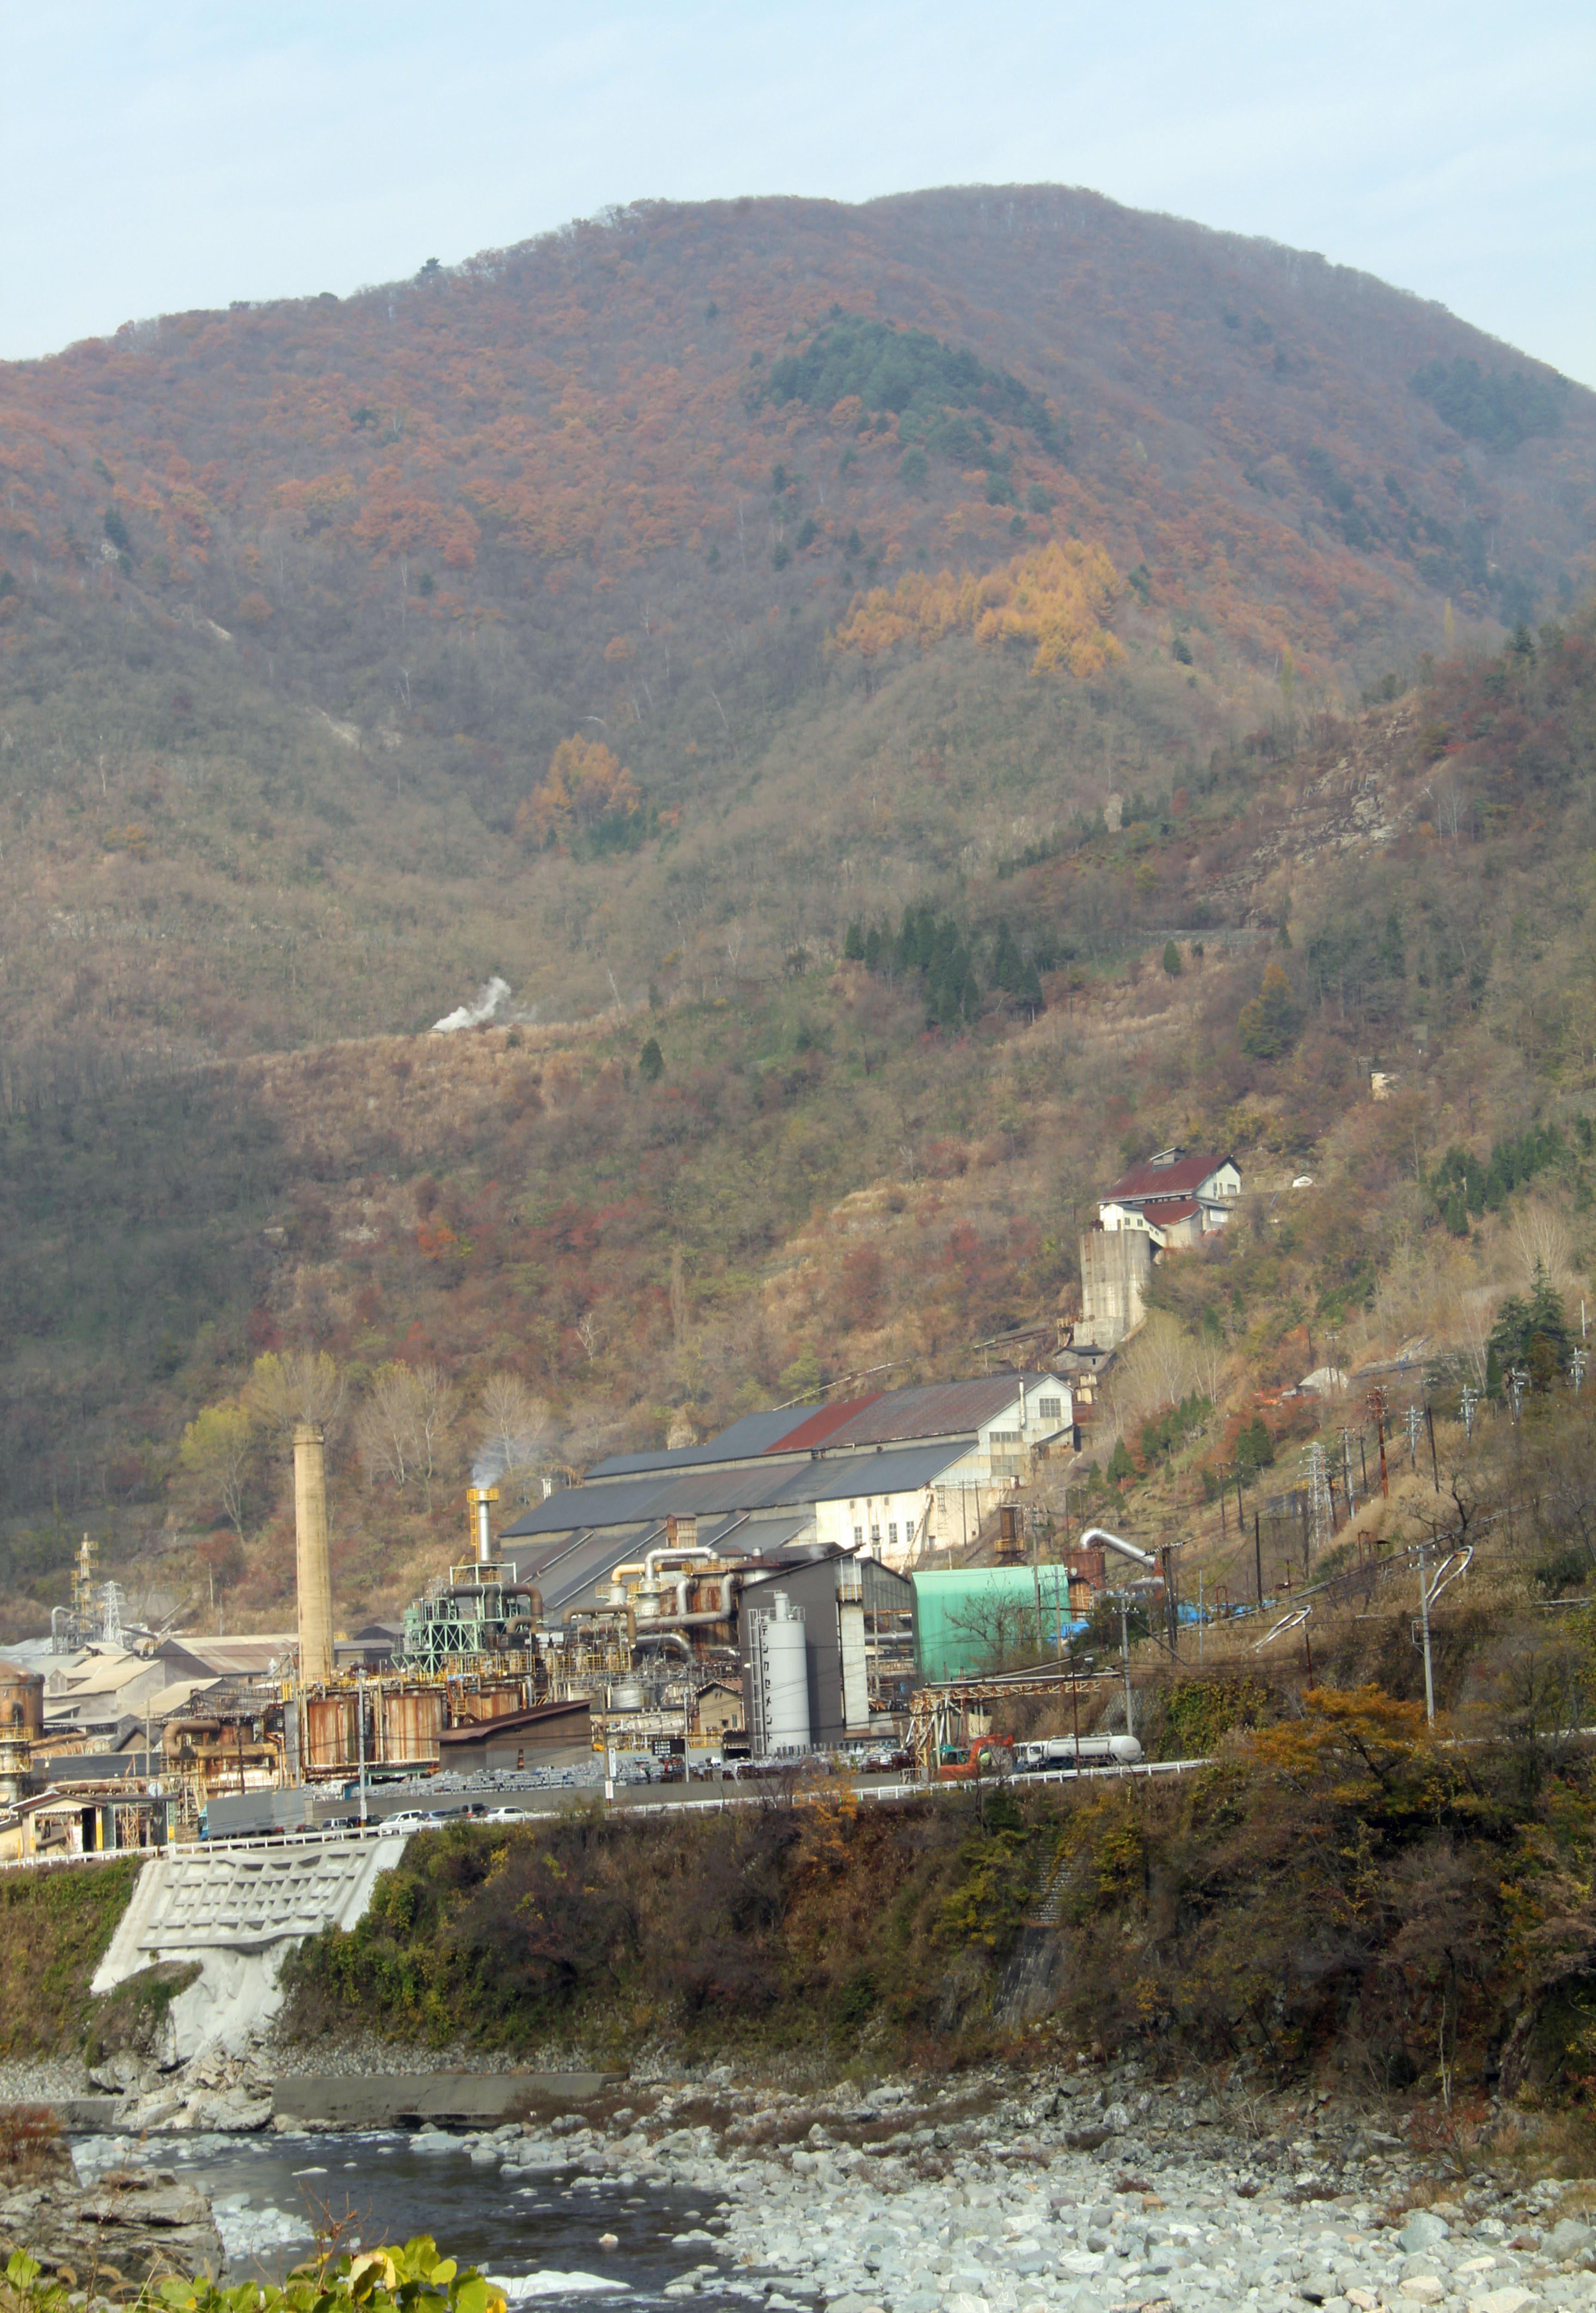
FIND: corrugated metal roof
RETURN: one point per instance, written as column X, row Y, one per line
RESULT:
column 1180, row 1179
column 754, row 1434
column 937, row 1409
column 819, row 1427
column 716, row 1494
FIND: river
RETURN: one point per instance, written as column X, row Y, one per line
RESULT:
column 272, row 2195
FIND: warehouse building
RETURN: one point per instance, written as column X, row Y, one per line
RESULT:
column 897, row 1476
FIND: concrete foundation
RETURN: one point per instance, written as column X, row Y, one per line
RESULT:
column 331, row 2101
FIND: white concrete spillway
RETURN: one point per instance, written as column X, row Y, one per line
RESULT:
column 237, row 1909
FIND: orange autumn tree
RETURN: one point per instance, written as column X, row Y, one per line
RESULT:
column 589, row 789
column 1057, row 599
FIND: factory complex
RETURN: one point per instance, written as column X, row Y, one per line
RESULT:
column 762, row 1596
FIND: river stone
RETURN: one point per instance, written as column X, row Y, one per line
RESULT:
column 1567, row 2238
column 1503, row 2301
column 1423, row 2230
column 1422, row 2288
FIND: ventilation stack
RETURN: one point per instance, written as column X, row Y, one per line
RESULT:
column 313, row 1572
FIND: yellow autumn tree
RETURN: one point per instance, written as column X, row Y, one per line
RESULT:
column 1057, row 599
column 586, row 783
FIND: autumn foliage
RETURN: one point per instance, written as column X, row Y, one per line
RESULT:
column 1057, row 600
column 587, row 785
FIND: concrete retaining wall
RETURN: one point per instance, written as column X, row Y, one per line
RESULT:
column 237, row 1909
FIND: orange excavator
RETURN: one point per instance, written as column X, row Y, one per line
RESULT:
column 989, row 1754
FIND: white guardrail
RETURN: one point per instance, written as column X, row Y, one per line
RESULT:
column 768, row 1796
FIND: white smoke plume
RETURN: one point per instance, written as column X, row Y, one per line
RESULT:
column 474, row 1016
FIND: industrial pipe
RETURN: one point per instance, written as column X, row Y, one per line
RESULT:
column 651, row 1558
column 1117, row 1541
column 666, row 1639
column 686, row 1622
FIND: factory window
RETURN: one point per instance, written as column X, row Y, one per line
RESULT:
column 875, row 1537
column 520, row 1760
column 891, row 1537
column 859, row 1537
column 1050, row 1408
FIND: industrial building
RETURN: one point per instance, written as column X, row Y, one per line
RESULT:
column 760, row 1586
column 897, row 1476
column 850, row 1616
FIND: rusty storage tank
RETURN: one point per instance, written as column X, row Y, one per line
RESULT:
column 22, row 1722
column 332, row 1740
column 492, row 1698
column 410, row 1722
column 21, row 1701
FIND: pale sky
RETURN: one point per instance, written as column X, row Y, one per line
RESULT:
column 162, row 154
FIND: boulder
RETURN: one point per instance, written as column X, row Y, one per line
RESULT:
column 133, row 2226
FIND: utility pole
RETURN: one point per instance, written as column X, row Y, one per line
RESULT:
column 1425, row 1625
column 1430, row 1425
column 1124, row 1641
column 360, row 1736
column 1377, row 1407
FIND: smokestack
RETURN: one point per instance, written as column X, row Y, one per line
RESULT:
column 479, row 1497
column 312, row 1572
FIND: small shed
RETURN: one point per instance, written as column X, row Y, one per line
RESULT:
column 549, row 1735
column 719, row 1711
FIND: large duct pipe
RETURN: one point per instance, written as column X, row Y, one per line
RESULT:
column 313, row 1570
column 652, row 1559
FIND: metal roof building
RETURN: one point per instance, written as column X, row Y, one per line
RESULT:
column 864, row 1474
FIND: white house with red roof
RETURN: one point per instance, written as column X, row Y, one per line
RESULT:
column 1175, row 1198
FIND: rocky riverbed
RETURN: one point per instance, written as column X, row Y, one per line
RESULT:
column 1075, row 2191
column 1079, row 2190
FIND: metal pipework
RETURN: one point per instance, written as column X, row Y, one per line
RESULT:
column 480, row 1497
column 652, row 1559
column 1125, row 1549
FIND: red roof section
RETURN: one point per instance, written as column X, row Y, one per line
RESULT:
column 1163, row 1212
column 1181, row 1179
column 818, row 1428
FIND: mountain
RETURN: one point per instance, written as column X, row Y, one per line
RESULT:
column 302, row 599
column 890, row 692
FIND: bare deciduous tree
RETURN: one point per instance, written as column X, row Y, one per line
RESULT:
column 1159, row 1367
column 301, row 1386
column 515, row 1431
column 403, row 1427
column 1540, row 1239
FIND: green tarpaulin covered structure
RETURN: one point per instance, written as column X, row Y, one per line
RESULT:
column 974, row 1619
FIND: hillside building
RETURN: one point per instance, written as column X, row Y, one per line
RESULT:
column 1174, row 1200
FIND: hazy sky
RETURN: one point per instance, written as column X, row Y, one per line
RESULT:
column 158, row 154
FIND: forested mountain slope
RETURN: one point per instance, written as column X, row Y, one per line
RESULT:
column 869, row 542
column 882, row 688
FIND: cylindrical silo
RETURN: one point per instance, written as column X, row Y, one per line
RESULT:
column 22, row 1720
column 780, row 1678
